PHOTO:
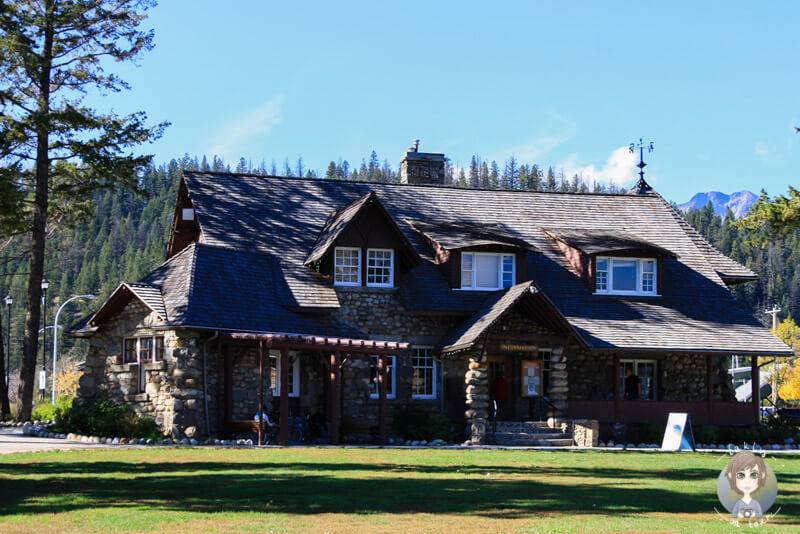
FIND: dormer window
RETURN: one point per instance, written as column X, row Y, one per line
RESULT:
column 487, row 271
column 347, row 266
column 380, row 267
column 625, row 276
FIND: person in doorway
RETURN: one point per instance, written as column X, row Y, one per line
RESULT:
column 633, row 385
column 500, row 393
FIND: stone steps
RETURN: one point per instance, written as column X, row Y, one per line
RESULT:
column 527, row 433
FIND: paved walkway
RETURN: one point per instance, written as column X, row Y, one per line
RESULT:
column 13, row 440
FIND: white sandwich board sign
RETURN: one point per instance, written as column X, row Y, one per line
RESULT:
column 678, row 435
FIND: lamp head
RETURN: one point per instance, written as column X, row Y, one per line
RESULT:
column 45, row 284
column 9, row 300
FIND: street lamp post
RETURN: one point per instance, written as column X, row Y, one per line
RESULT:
column 9, row 300
column 43, row 375
column 55, row 338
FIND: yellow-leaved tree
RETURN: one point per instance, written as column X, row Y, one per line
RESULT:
column 788, row 374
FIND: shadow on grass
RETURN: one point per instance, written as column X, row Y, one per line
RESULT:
column 352, row 488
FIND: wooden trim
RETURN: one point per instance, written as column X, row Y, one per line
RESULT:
column 617, row 388
column 336, row 395
column 559, row 340
column 382, row 398
column 710, row 387
column 755, row 383
column 284, row 440
column 260, row 410
column 228, row 383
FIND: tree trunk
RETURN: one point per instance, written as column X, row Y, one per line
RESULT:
column 30, row 346
column 5, row 409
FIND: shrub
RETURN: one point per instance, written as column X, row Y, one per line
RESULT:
column 413, row 424
column 651, row 433
column 706, row 435
column 45, row 411
column 107, row 418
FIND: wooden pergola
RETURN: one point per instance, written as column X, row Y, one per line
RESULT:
column 334, row 352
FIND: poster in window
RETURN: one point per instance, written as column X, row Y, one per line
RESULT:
column 531, row 378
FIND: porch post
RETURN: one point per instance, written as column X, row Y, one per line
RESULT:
column 710, row 388
column 284, row 396
column 755, row 382
column 336, row 396
column 220, row 388
column 617, row 388
column 260, row 410
column 381, row 398
column 228, row 387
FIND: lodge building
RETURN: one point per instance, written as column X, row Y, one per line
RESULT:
column 352, row 300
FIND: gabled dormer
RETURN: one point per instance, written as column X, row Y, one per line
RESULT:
column 612, row 263
column 475, row 256
column 361, row 245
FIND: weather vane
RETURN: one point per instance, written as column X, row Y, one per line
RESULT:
column 642, row 146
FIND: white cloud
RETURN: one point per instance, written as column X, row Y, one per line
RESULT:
column 767, row 153
column 619, row 168
column 559, row 129
column 229, row 142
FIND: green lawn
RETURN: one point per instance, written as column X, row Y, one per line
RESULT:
column 374, row 490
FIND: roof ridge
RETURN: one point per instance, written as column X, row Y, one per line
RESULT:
column 434, row 186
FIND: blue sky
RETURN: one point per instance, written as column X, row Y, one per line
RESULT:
column 715, row 85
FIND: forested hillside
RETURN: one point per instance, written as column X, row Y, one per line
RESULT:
column 127, row 235
column 776, row 264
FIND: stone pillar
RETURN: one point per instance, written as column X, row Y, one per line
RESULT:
column 559, row 387
column 477, row 381
column 586, row 432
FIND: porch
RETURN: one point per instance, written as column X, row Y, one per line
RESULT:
column 704, row 406
column 332, row 353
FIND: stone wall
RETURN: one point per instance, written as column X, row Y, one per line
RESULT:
column 172, row 388
column 679, row 377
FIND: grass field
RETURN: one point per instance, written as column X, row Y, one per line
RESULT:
column 372, row 490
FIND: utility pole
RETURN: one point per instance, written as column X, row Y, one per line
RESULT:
column 774, row 313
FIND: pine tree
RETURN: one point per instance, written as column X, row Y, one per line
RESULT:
column 55, row 148
column 474, row 173
column 494, row 176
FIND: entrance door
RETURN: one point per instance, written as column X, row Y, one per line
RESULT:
column 499, row 366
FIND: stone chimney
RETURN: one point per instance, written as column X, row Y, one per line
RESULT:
column 421, row 167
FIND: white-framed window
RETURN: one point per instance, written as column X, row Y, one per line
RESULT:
column 391, row 377
column 143, row 349
column 423, row 377
column 625, row 276
column 380, row 267
column 645, row 370
column 275, row 373
column 485, row 270
column 347, row 266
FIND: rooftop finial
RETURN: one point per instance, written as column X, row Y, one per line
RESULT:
column 642, row 186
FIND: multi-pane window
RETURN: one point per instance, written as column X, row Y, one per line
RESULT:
column 390, row 376
column 645, row 370
column 347, row 266
column 546, row 356
column 480, row 270
column 143, row 349
column 275, row 373
column 380, row 267
column 632, row 276
column 423, row 379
